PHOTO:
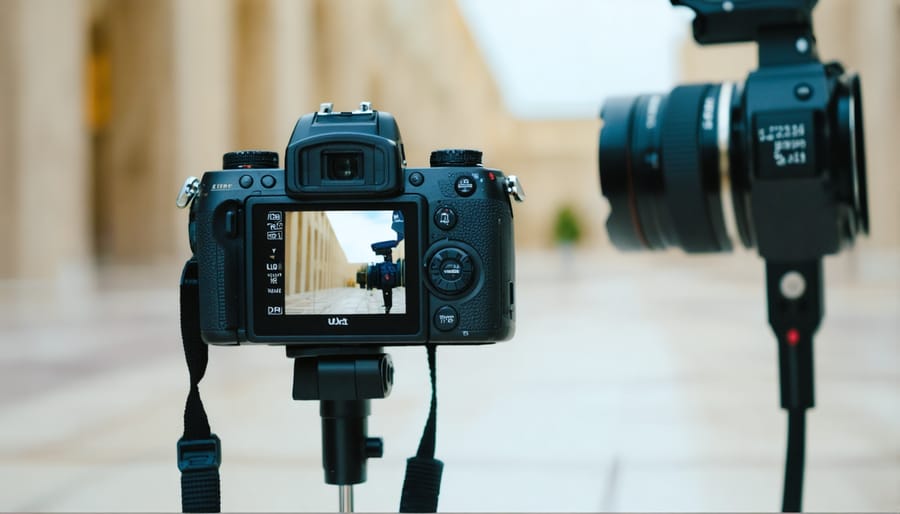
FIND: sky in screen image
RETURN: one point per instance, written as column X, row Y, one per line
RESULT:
column 357, row 230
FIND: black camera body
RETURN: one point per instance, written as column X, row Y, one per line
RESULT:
column 286, row 256
column 804, row 153
column 777, row 163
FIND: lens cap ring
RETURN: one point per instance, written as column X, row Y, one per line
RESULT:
column 616, row 181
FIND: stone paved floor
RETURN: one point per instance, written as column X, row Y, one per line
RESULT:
column 345, row 300
column 634, row 383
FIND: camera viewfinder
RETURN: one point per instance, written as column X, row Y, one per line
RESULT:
column 343, row 166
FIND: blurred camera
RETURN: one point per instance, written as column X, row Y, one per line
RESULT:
column 777, row 163
column 383, row 275
column 285, row 256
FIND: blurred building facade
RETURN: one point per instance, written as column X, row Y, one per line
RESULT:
column 106, row 106
column 314, row 259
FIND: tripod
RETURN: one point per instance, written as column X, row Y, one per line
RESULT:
column 344, row 380
column 796, row 307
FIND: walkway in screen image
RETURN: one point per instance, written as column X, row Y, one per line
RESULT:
column 344, row 300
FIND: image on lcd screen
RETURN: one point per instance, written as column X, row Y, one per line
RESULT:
column 344, row 262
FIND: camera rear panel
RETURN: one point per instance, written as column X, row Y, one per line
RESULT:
column 469, row 217
column 455, row 248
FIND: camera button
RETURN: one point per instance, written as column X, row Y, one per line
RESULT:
column 467, row 264
column 416, row 179
column 803, row 91
column 465, row 186
column 246, row 181
column 451, row 270
column 445, row 218
column 267, row 181
column 230, row 225
column 446, row 318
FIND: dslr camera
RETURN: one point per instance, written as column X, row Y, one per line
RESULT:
column 776, row 163
column 296, row 256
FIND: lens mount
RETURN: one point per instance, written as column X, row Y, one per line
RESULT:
column 858, row 153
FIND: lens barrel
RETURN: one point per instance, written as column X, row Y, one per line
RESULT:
column 665, row 165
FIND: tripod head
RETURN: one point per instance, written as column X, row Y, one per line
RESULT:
column 384, row 248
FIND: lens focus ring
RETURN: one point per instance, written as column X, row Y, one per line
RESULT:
column 688, row 196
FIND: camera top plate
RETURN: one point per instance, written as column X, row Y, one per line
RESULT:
column 344, row 154
column 736, row 21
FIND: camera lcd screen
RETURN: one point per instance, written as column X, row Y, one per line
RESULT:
column 335, row 271
column 344, row 262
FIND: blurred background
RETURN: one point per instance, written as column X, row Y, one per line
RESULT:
column 635, row 382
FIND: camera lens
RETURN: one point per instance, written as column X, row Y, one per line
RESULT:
column 666, row 169
column 344, row 166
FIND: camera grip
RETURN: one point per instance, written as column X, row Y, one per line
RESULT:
column 486, row 227
column 217, row 313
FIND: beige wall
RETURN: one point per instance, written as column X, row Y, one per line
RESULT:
column 314, row 257
column 423, row 65
column 190, row 80
column 134, row 151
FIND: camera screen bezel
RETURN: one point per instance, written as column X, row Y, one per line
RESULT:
column 359, row 328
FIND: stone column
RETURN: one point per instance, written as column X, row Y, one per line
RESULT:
column 203, row 38
column 134, row 159
column 295, row 74
column 274, row 70
column 44, row 204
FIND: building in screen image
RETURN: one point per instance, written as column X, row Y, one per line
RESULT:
column 331, row 268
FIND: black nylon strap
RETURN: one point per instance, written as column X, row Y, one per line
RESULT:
column 422, row 484
column 199, row 450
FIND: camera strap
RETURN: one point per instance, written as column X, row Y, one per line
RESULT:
column 199, row 450
column 422, row 483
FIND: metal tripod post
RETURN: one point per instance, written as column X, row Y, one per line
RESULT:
column 346, row 498
column 796, row 307
column 344, row 381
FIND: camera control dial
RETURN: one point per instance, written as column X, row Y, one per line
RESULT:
column 250, row 159
column 451, row 271
column 455, row 157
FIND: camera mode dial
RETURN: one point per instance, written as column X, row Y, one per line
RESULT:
column 451, row 271
column 454, row 157
column 250, row 159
